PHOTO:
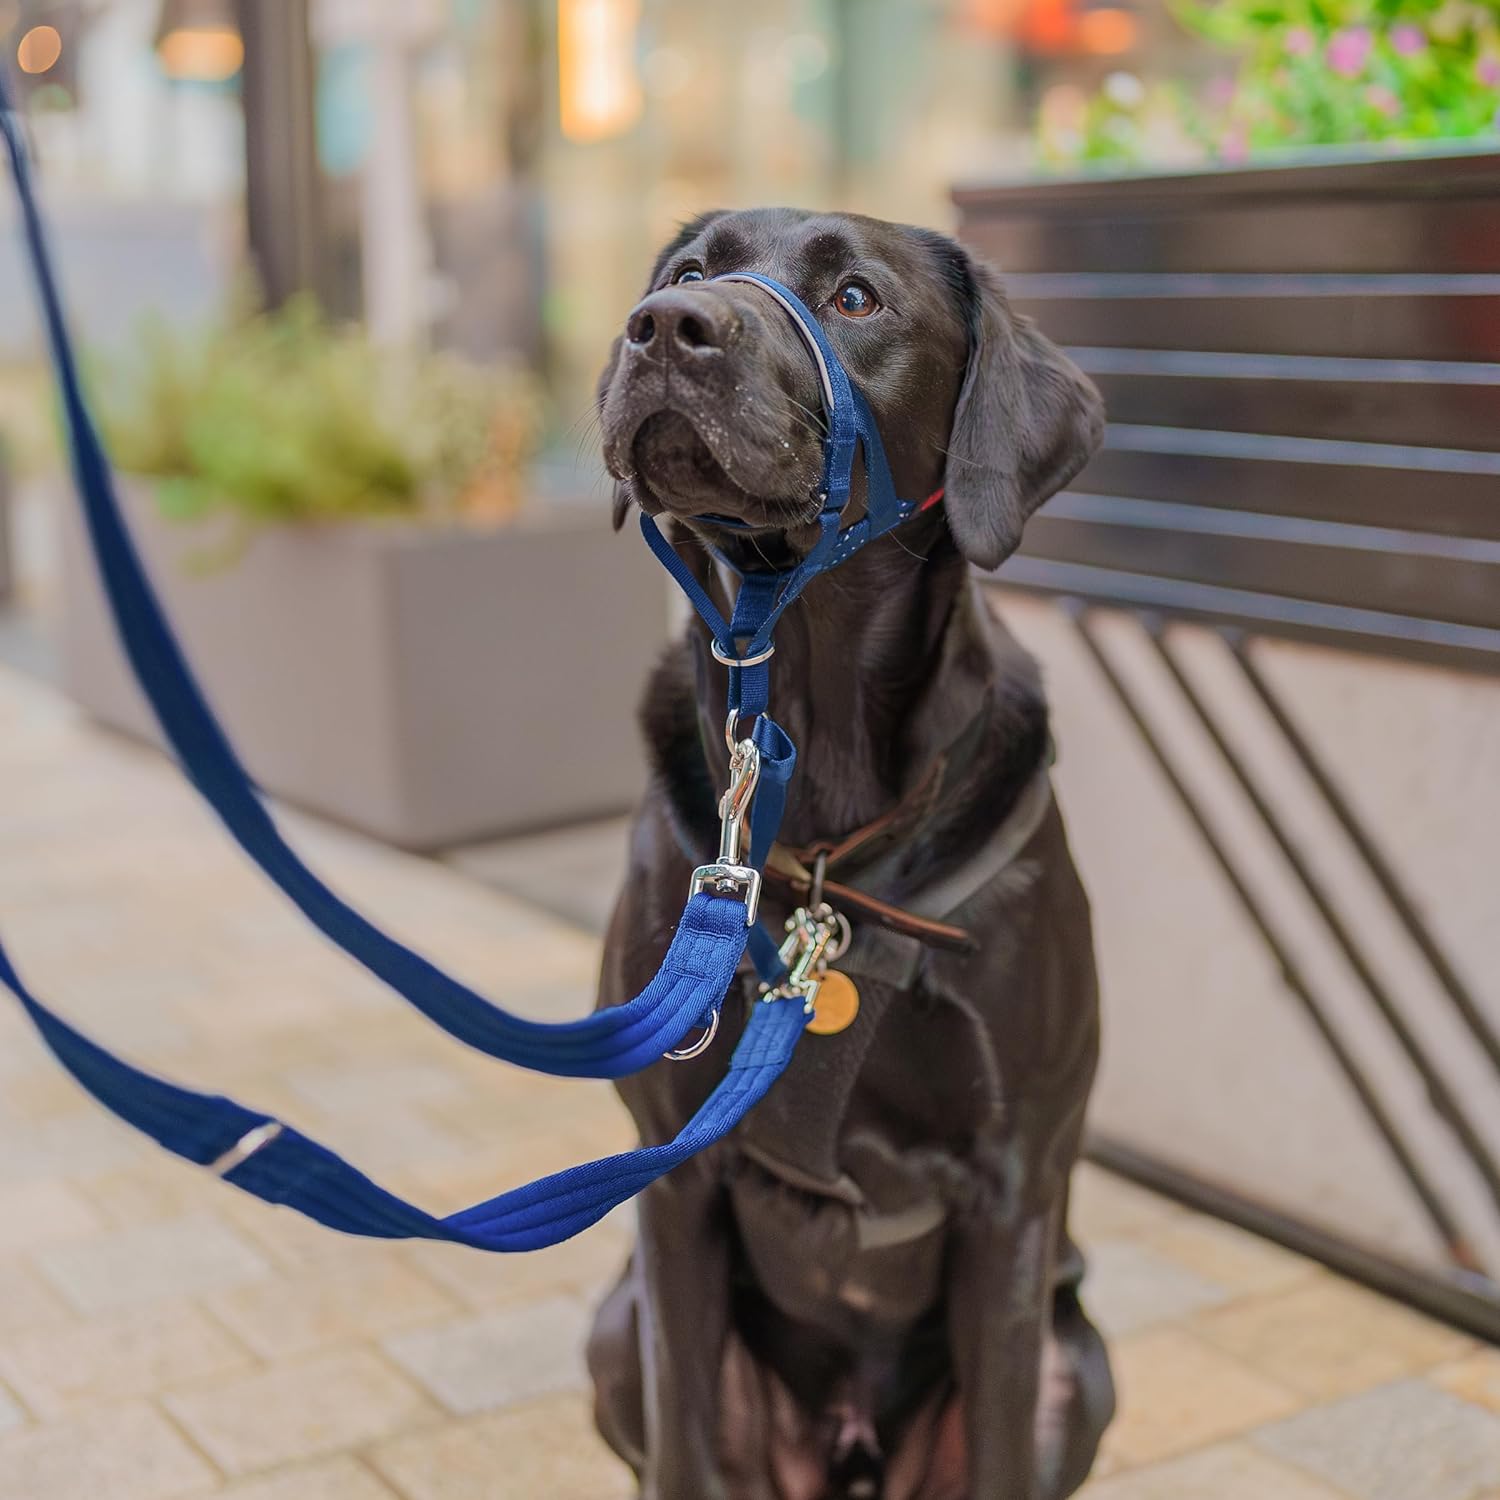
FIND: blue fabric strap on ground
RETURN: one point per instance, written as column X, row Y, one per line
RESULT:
column 295, row 1171
column 608, row 1044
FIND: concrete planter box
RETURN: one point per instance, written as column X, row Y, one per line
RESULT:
column 7, row 544
column 430, row 685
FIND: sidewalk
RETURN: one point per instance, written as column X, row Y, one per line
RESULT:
column 163, row 1337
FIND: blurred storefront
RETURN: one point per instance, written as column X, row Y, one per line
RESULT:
column 497, row 173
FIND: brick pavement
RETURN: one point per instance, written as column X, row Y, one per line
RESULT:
column 164, row 1338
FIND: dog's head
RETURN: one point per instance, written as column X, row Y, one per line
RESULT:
column 710, row 402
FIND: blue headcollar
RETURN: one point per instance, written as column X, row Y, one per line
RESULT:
column 745, row 641
column 762, row 766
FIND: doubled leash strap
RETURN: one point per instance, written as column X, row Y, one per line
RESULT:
column 608, row 1044
column 281, row 1165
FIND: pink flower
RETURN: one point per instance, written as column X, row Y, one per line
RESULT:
column 1217, row 92
column 1408, row 40
column 1349, row 51
column 1382, row 99
column 1234, row 144
column 1488, row 69
column 1298, row 41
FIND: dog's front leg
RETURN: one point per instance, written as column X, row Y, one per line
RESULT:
column 1000, row 1294
column 684, row 1250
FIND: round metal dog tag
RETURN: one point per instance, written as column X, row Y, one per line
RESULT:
column 836, row 1005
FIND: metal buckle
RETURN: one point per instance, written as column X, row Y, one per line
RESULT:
column 729, row 875
column 814, row 939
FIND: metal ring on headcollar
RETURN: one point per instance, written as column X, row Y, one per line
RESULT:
column 740, row 661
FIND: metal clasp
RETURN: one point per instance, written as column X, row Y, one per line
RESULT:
column 730, row 875
column 814, row 939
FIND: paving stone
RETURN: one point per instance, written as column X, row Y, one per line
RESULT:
column 500, row 1358
column 40, row 1092
column 1475, row 1378
column 1329, row 1338
column 298, row 1412
column 1177, row 1393
column 150, row 1263
column 114, row 1453
column 1244, row 1263
column 156, row 1187
column 587, row 1264
column 548, row 1448
column 1102, row 1206
column 287, row 1238
column 87, row 1141
column 1233, row 1471
column 40, row 1213
column 338, row 1088
column 124, row 1354
column 339, row 1479
column 26, row 1301
column 367, row 1292
column 1407, row 1441
column 1131, row 1286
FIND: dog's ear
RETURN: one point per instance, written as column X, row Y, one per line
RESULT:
column 1026, row 421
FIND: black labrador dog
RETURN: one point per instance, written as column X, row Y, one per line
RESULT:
column 869, row 1289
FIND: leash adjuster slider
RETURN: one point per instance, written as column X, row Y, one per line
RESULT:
column 730, row 875
column 246, row 1147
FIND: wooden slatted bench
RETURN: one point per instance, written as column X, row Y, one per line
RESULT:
column 1301, row 366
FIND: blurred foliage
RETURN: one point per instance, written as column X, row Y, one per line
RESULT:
column 279, row 417
column 1310, row 73
column 27, row 434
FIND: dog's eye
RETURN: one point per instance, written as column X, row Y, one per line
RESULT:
column 855, row 301
column 689, row 273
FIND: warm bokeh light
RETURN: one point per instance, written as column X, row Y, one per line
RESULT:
column 39, row 49
column 1107, row 32
column 1049, row 25
column 599, row 91
column 208, row 54
column 997, row 17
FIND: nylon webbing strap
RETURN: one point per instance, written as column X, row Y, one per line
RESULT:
column 608, row 1044
column 283, row 1166
column 276, row 1162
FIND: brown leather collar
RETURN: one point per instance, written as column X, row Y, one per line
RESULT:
column 794, row 869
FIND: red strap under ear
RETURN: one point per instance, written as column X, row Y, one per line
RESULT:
column 930, row 501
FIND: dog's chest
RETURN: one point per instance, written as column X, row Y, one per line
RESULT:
column 848, row 1174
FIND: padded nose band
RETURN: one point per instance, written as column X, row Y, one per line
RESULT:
column 812, row 336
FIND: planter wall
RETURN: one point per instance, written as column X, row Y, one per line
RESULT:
column 7, row 541
column 432, row 686
column 1301, row 472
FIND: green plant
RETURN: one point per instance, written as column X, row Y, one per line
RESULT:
column 281, row 418
column 1310, row 73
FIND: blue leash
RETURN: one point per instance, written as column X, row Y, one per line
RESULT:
column 279, row 1164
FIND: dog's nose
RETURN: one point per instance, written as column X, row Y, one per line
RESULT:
column 682, row 323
